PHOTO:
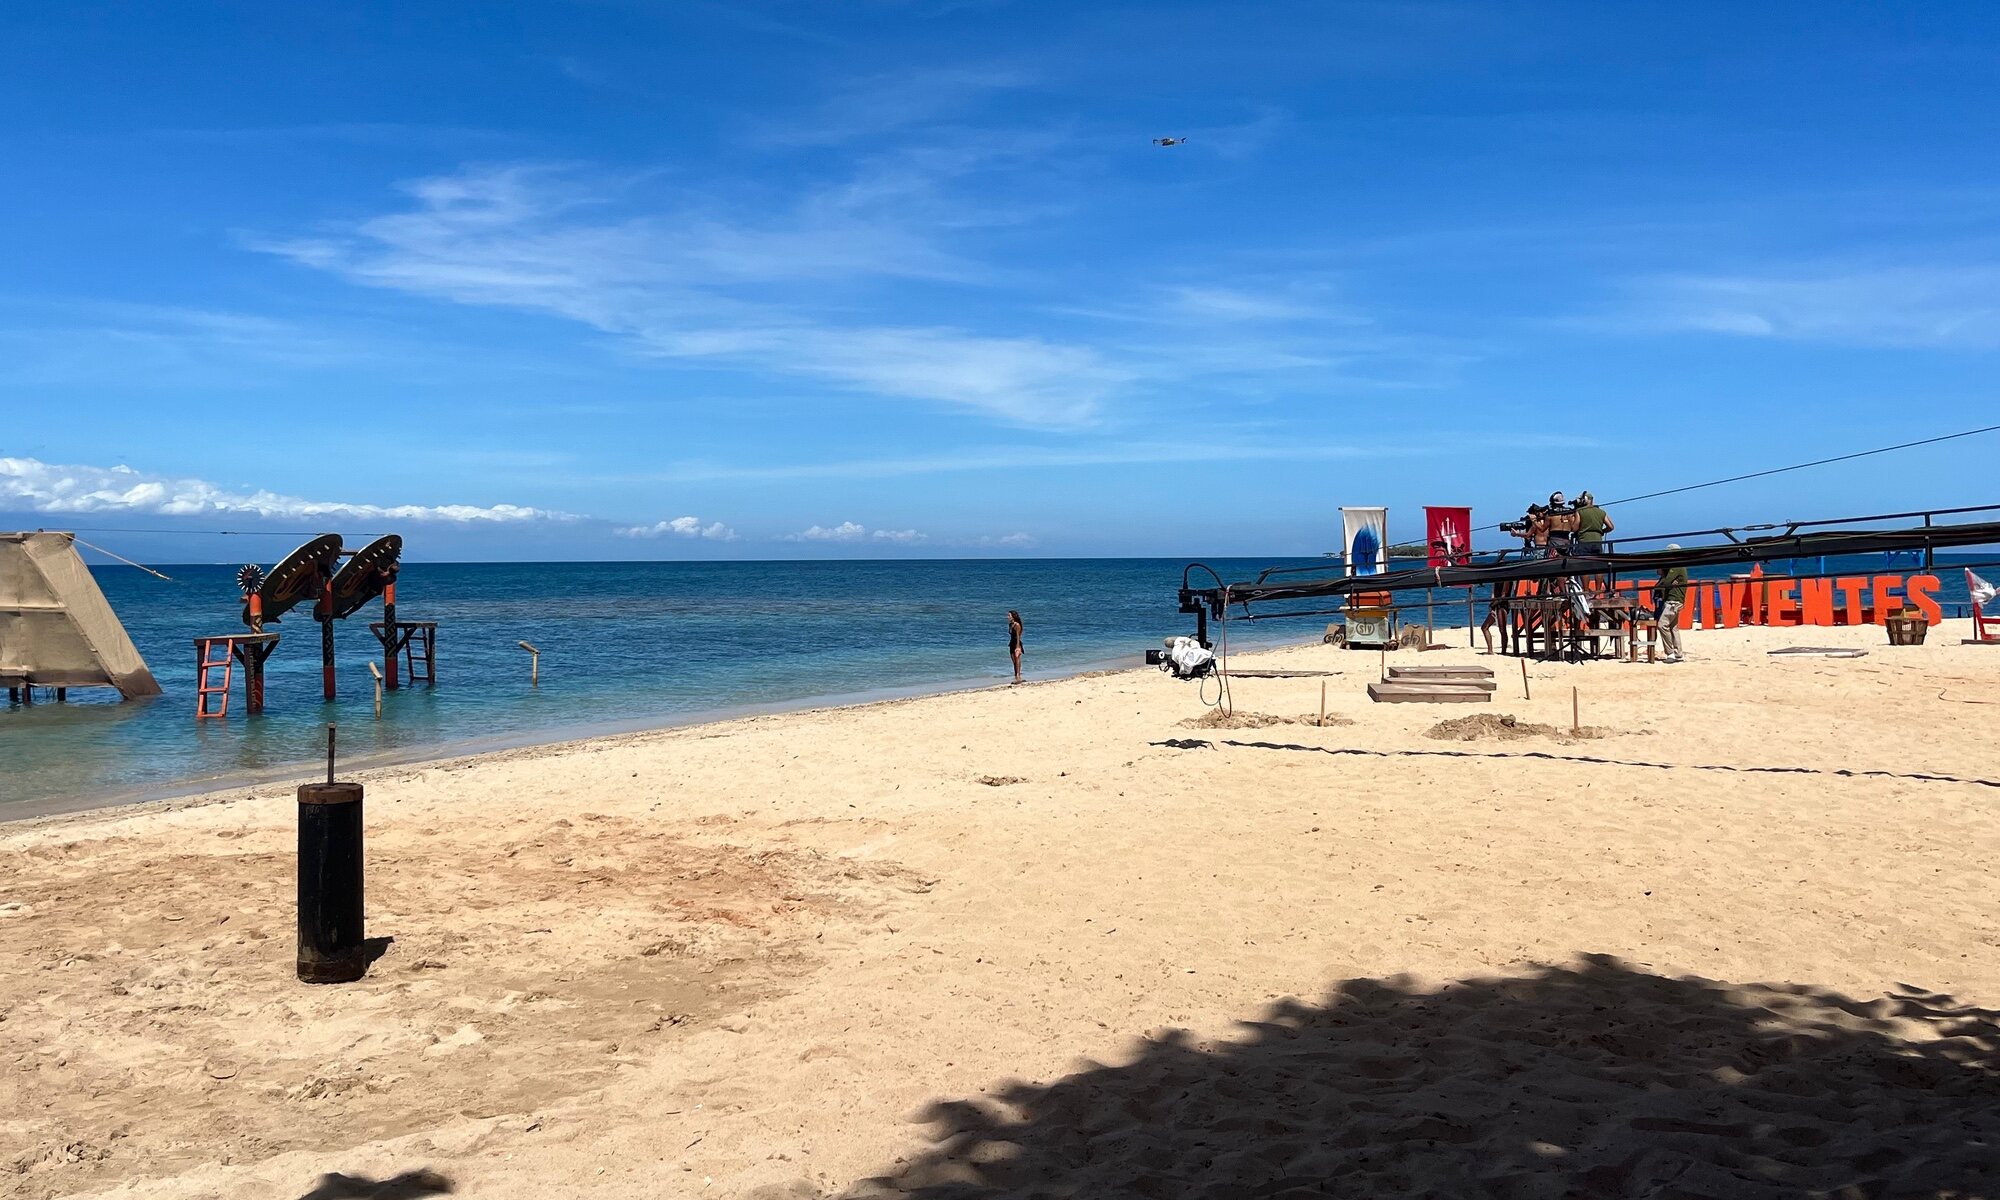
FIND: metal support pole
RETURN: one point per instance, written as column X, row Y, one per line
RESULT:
column 253, row 683
column 332, row 942
column 326, row 644
column 390, row 679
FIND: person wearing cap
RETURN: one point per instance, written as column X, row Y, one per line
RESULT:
column 1592, row 523
column 1669, row 592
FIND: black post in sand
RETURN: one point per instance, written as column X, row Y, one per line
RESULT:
column 331, row 932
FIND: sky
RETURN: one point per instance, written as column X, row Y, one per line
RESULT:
column 891, row 278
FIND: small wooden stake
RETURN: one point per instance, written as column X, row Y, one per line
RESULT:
column 377, row 673
column 1524, row 680
column 1385, row 664
column 1322, row 704
column 1575, row 721
column 534, row 664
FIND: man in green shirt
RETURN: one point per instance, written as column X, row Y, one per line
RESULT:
column 1669, row 593
column 1592, row 524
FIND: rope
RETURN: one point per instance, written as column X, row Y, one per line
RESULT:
column 207, row 532
column 121, row 558
column 1802, row 466
column 1819, row 462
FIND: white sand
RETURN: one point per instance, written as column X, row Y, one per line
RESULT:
column 748, row 959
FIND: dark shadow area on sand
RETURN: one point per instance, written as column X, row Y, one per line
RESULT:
column 410, row 1185
column 1595, row 1080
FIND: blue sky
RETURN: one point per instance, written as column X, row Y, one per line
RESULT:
column 627, row 280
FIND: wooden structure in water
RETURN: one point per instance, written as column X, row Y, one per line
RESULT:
column 315, row 573
column 56, row 628
column 222, row 654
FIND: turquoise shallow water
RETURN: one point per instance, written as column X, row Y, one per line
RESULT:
column 625, row 645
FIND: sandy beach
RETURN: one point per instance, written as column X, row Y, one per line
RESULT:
column 1738, row 939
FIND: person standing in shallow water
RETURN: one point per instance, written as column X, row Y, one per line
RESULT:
column 1014, row 641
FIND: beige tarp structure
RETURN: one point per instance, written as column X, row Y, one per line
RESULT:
column 56, row 629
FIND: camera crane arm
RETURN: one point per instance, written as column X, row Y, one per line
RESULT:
column 1218, row 601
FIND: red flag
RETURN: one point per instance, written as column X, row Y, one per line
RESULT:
column 1449, row 532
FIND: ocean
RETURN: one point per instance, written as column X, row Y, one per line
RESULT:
column 624, row 646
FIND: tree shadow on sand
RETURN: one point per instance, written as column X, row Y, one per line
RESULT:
column 1585, row 1081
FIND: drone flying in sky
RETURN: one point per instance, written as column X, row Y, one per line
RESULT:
column 1170, row 141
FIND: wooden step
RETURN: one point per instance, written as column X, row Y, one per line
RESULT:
column 1441, row 672
column 1443, row 683
column 1433, row 692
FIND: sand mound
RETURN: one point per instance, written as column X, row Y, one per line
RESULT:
column 1592, row 1080
column 1503, row 727
column 1215, row 718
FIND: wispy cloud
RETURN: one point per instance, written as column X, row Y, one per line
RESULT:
column 36, row 486
column 360, row 132
column 1950, row 307
column 1023, row 458
column 903, row 537
column 892, row 103
column 139, row 344
column 693, row 283
column 681, row 527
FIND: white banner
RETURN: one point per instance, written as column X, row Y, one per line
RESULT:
column 1365, row 540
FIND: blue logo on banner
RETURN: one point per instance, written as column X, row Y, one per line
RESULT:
column 1363, row 553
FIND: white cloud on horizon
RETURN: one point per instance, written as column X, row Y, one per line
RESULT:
column 846, row 531
column 854, row 531
column 682, row 527
column 73, row 488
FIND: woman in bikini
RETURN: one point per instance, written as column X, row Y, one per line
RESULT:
column 1014, row 641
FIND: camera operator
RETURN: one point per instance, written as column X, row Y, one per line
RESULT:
column 1532, row 529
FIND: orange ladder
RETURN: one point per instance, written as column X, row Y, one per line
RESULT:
column 206, row 687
